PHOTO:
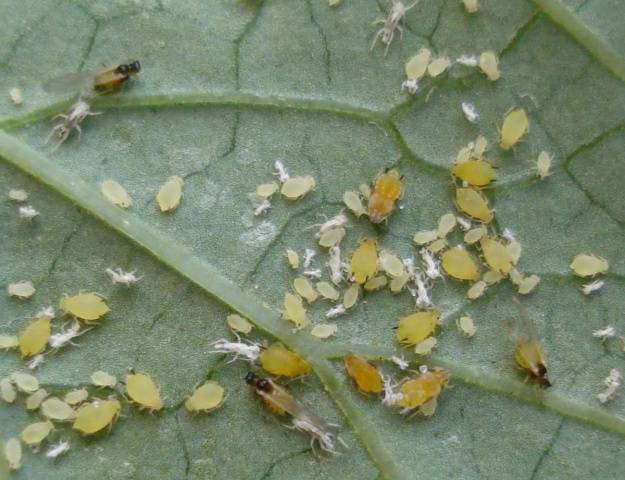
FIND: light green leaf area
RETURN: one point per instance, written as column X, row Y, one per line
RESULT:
column 229, row 87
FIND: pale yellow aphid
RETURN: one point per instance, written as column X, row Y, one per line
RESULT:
column 475, row 234
column 21, row 290
column 296, row 187
column 491, row 277
column 588, row 265
column 294, row 310
column 279, row 360
column 16, row 95
column 293, row 258
column 459, row 264
column 543, row 165
column 515, row 249
column 76, row 396
column 464, row 155
column 438, row 66
column 416, row 327
column 473, row 203
column 170, row 194
column 93, row 417
column 334, row 3
column 476, row 290
column 466, row 325
column 516, row 277
column 390, row 264
column 426, row 346
column 103, row 379
column 489, row 64
column 471, row 6
column 305, row 289
column 328, row 291
column 479, row 146
column 365, row 190
column 496, row 255
column 7, row 390
column 446, row 224
column 25, row 382
column 34, row 338
column 13, row 453
column 364, row 263
column 365, row 375
column 331, row 237
column 17, row 195
column 8, row 342
column 35, row 433
column 33, row 401
column 528, row 284
column 142, row 390
column 85, row 306
column 205, row 398
column 353, row 201
column 350, row 297
column 478, row 173
column 437, row 245
column 115, row 193
column 239, row 324
column 417, row 65
column 56, row 409
column 515, row 125
column 375, row 283
column 424, row 237
column 417, row 391
column 397, row 283
column 267, row 190
column 324, row 330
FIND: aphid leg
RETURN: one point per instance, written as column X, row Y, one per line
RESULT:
column 54, row 130
column 60, row 115
column 79, row 130
column 64, row 136
column 401, row 32
column 375, row 39
column 390, row 40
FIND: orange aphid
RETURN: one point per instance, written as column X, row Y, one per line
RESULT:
column 416, row 391
column 365, row 375
column 387, row 188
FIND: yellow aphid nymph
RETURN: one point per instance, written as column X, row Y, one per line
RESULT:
column 497, row 256
column 364, row 263
column 305, row 289
column 293, row 258
column 296, row 187
column 387, row 189
column 365, row 375
column 35, row 433
column 294, row 310
column 33, row 401
column 489, row 64
column 324, row 330
column 142, row 390
column 417, row 327
column 13, row 453
column 115, row 193
column 515, row 125
column 170, row 193
column 76, row 397
column 93, row 417
column 478, row 173
column 278, row 360
column 57, row 410
column 21, row 290
column 8, row 342
column 34, row 338
column 588, row 265
column 103, row 379
column 417, row 65
column 417, row 391
column 473, row 203
column 25, row 382
column 239, row 324
column 7, row 390
column 205, row 398
column 460, row 264
column 85, row 306
column 543, row 165
column 353, row 201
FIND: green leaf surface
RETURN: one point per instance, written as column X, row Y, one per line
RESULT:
column 229, row 87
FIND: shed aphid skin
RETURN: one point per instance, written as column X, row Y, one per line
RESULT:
column 612, row 383
column 421, row 389
column 467, row 60
column 365, row 375
column 391, row 396
column 471, row 6
column 390, row 24
column 76, row 396
column 528, row 354
column 261, row 207
column 280, row 171
column 353, row 202
column 459, row 264
column 115, row 193
column 592, row 287
column 96, row 415
column 438, row 66
column 470, row 112
column 411, row 85
column 464, row 223
column 515, row 125
column 103, row 379
column 489, row 65
column 588, row 265
column 248, row 350
column 117, row 275
column 35, row 433
column 13, row 453
column 422, row 292
column 364, row 262
column 28, row 212
column 205, row 398
column 279, row 360
column 34, row 338
column 432, row 267
column 466, row 325
column 34, row 400
column 305, row 289
column 297, row 187
column 279, row 400
column 339, row 220
column 59, row 340
column 169, row 194
column 238, row 324
column 543, row 165
column 57, row 449
column 336, row 311
column 35, row 362
column 604, row 333
column 71, row 121
column 101, row 81
column 7, row 390
column 350, row 297
column 327, row 291
column 24, row 382
column 387, row 190
column 57, row 410
column 294, row 310
column 46, row 312
column 314, row 273
column 335, row 265
column 16, row 96
column 21, row 290
column 18, row 195
column 474, row 204
column 401, row 362
column 142, row 390
column 324, row 330
column 7, row 342
column 293, row 258
column 309, row 254
column 477, row 173
column 416, row 327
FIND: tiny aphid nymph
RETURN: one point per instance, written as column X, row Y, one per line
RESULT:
column 102, row 81
column 387, row 189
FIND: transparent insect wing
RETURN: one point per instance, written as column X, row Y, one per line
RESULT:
column 71, row 81
column 528, row 354
column 281, row 399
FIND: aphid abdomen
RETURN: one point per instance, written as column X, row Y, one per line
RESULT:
column 379, row 207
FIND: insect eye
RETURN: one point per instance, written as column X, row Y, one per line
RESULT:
column 250, row 378
column 135, row 66
column 123, row 69
column 542, row 370
column 264, row 385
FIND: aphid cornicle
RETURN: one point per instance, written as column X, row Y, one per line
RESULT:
column 102, row 81
column 528, row 354
column 387, row 189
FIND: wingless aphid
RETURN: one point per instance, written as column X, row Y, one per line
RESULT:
column 101, row 81
column 71, row 121
column 390, row 24
column 281, row 401
column 387, row 189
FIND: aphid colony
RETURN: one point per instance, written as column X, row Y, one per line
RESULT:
column 168, row 197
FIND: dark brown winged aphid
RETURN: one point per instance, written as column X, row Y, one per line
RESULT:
column 101, row 81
